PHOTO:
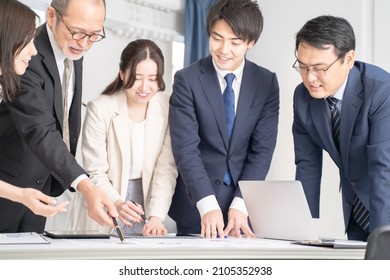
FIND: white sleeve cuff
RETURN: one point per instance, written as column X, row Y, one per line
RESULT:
column 76, row 182
column 239, row 204
column 207, row 204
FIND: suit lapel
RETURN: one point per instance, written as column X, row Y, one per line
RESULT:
column 44, row 46
column 352, row 102
column 153, row 133
column 75, row 109
column 248, row 90
column 212, row 91
column 121, row 127
column 322, row 123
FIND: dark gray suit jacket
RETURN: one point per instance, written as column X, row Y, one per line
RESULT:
column 31, row 146
column 199, row 135
column 364, row 157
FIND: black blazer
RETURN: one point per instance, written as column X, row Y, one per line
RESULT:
column 31, row 146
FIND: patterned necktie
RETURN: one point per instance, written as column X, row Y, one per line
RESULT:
column 360, row 213
column 65, row 90
column 335, row 119
column 228, row 101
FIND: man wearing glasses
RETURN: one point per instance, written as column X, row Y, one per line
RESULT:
column 342, row 107
column 44, row 122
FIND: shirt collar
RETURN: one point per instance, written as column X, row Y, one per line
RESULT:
column 58, row 54
column 340, row 92
column 238, row 72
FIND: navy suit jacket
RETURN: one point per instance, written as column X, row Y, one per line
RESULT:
column 199, row 135
column 31, row 146
column 364, row 157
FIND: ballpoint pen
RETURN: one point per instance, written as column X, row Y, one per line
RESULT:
column 118, row 229
column 142, row 216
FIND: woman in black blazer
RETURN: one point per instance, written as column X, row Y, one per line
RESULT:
column 17, row 32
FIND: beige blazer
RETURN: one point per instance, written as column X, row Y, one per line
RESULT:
column 106, row 156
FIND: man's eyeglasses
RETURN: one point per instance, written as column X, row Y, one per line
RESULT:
column 318, row 72
column 79, row 35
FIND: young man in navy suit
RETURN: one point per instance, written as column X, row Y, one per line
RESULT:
column 342, row 107
column 210, row 159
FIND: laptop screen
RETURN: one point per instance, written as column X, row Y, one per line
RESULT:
column 278, row 210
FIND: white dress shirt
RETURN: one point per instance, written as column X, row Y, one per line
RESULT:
column 210, row 202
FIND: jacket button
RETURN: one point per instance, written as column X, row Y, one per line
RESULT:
column 218, row 182
column 353, row 184
column 38, row 181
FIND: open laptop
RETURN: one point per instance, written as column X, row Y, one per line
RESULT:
column 278, row 210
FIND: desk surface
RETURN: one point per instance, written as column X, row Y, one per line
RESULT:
column 173, row 248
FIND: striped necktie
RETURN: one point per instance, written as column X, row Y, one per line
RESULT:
column 335, row 119
column 360, row 213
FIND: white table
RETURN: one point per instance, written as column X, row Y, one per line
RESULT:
column 169, row 248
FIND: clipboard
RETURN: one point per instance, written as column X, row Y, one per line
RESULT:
column 24, row 238
column 76, row 234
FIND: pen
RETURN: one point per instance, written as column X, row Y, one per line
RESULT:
column 142, row 216
column 118, row 229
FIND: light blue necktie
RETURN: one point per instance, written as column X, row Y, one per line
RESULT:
column 228, row 101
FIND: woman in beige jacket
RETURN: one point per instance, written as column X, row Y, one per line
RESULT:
column 126, row 146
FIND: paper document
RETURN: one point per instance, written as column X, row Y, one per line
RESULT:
column 168, row 236
column 22, row 238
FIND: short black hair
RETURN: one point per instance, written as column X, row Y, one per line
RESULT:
column 243, row 16
column 322, row 31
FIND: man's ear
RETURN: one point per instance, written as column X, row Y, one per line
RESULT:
column 251, row 44
column 51, row 16
column 350, row 58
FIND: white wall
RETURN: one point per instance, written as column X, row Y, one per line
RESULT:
column 381, row 37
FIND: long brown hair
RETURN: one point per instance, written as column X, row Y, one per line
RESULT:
column 135, row 52
column 17, row 29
